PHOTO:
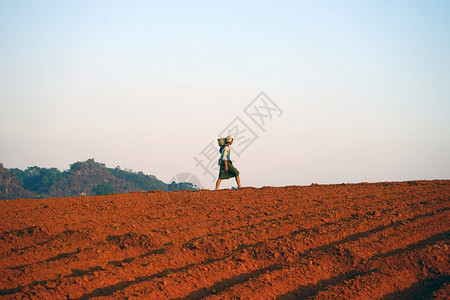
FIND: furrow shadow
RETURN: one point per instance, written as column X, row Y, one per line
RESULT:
column 109, row 290
column 225, row 284
column 75, row 273
column 377, row 229
column 63, row 255
column 444, row 236
column 310, row 290
column 420, row 290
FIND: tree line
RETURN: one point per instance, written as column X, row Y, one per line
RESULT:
column 82, row 178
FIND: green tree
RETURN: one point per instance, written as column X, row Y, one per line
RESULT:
column 104, row 188
column 37, row 180
column 181, row 186
column 139, row 179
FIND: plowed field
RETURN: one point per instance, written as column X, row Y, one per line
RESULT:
column 348, row 241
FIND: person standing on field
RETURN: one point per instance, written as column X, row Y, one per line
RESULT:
column 227, row 170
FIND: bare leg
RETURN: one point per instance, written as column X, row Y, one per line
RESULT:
column 218, row 183
column 238, row 181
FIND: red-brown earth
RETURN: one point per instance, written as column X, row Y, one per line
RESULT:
column 348, row 241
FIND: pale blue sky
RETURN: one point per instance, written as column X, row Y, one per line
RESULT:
column 147, row 85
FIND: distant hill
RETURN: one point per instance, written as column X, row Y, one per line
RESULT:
column 83, row 178
column 9, row 187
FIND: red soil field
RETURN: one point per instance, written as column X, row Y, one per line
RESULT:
column 350, row 241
